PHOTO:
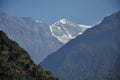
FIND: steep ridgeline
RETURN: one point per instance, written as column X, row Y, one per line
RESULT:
column 37, row 37
column 94, row 55
column 16, row 64
column 33, row 35
column 65, row 30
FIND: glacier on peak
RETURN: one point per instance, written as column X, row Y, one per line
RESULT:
column 63, row 21
column 85, row 26
column 65, row 30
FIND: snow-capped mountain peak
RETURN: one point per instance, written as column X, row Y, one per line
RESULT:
column 63, row 21
column 65, row 30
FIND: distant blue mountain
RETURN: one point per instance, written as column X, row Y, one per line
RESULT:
column 33, row 35
column 94, row 55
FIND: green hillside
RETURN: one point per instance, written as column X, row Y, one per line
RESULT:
column 16, row 64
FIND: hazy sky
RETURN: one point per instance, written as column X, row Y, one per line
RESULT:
column 79, row 11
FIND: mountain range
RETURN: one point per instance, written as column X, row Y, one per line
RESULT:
column 38, row 38
column 94, row 55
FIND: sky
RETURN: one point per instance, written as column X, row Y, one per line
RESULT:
column 87, row 12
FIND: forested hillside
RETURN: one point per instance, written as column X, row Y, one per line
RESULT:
column 16, row 64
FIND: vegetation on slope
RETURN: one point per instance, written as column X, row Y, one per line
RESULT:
column 16, row 64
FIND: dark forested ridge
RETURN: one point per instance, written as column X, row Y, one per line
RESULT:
column 16, row 64
column 94, row 55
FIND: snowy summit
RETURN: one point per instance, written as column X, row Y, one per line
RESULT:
column 63, row 21
column 65, row 30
